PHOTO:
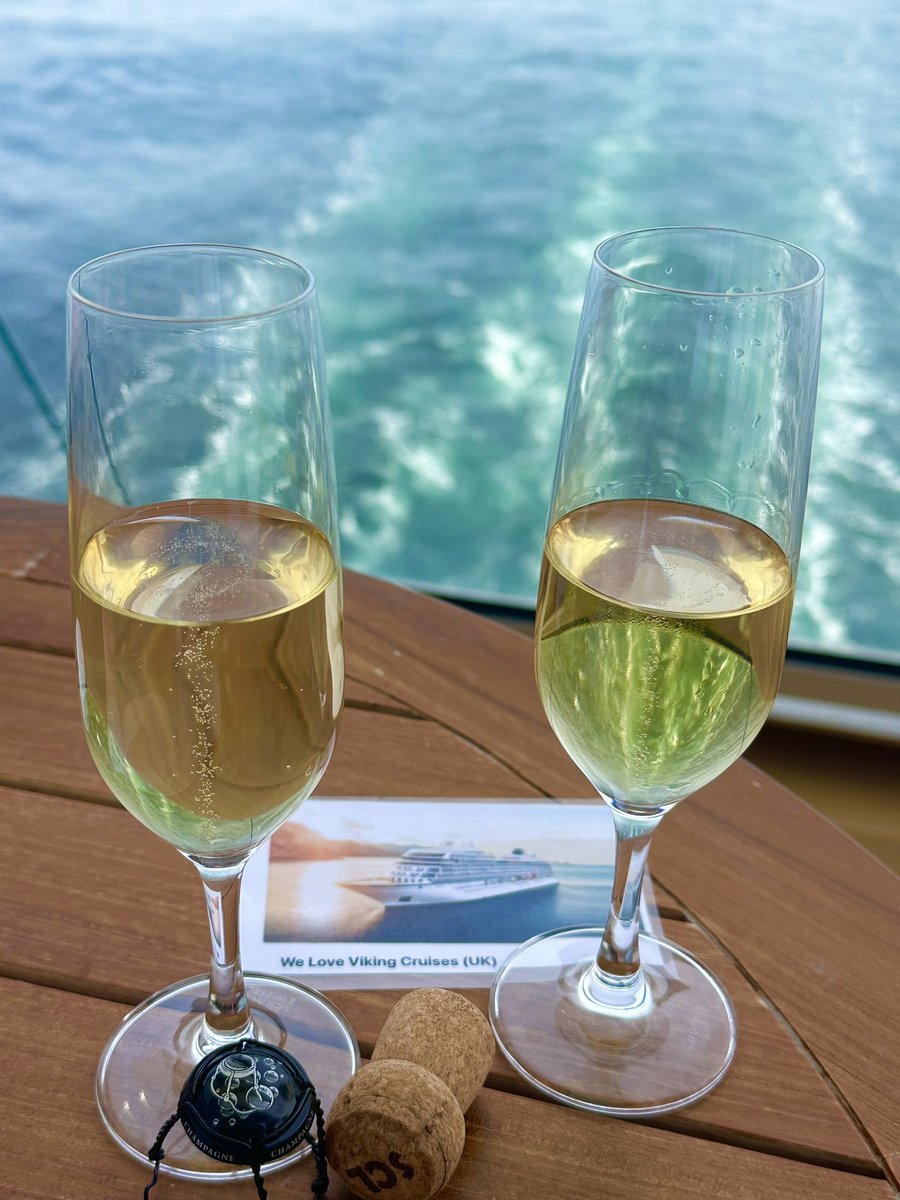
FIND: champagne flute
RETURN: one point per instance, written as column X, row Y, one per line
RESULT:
column 662, row 619
column 207, row 600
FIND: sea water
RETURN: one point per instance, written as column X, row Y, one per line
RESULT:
column 445, row 170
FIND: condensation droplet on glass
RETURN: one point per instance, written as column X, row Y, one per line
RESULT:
column 712, row 316
column 682, row 346
column 755, row 342
column 757, row 288
column 668, row 270
column 738, row 353
column 756, row 420
column 734, row 290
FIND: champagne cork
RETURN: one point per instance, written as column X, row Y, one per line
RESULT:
column 444, row 1033
column 397, row 1126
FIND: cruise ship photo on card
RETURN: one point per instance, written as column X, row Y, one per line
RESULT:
column 452, row 875
column 455, row 879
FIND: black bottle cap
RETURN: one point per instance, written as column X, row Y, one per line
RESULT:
column 247, row 1103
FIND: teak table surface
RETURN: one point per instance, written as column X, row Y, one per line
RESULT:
column 799, row 922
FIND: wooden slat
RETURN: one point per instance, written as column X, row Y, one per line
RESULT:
column 33, row 540
column 799, row 1113
column 378, row 754
column 510, row 1139
column 467, row 673
column 812, row 917
column 86, row 929
column 41, row 740
column 37, row 615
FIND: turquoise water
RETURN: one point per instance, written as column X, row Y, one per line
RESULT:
column 445, row 170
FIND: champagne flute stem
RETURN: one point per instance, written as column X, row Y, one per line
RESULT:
column 227, row 1015
column 618, row 963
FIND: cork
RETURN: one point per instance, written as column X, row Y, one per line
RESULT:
column 395, row 1128
column 444, row 1033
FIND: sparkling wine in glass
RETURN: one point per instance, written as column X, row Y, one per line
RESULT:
column 662, row 619
column 207, row 600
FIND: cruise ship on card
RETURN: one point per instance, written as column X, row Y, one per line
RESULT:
column 446, row 875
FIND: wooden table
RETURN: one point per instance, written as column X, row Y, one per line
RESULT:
column 799, row 922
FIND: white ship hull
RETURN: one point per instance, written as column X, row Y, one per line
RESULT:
column 405, row 895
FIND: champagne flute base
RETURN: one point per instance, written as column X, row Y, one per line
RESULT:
column 155, row 1048
column 654, row 1051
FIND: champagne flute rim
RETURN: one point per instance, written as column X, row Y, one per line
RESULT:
column 816, row 276
column 302, row 296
